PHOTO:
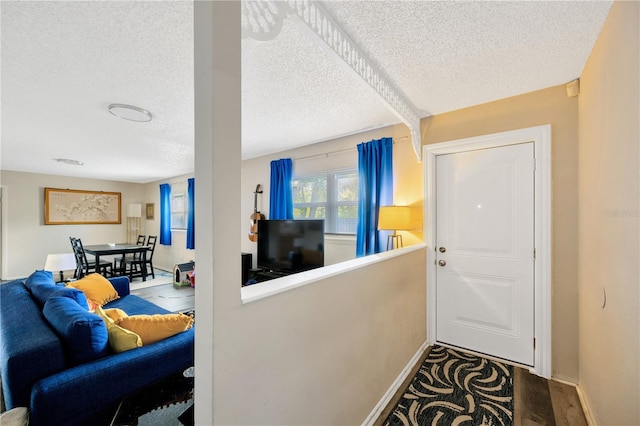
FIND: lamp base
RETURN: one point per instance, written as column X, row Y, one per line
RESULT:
column 394, row 238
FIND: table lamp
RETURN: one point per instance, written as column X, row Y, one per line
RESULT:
column 394, row 218
column 59, row 263
column 134, row 215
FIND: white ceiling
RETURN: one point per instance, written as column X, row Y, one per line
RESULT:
column 64, row 62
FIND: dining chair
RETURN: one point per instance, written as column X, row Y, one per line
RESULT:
column 119, row 263
column 133, row 265
column 151, row 243
column 83, row 265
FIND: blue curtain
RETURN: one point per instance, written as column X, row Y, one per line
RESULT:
column 281, row 196
column 375, row 189
column 165, row 214
column 191, row 209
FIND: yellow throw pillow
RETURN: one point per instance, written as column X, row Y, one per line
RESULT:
column 153, row 328
column 120, row 339
column 102, row 314
column 115, row 313
column 96, row 288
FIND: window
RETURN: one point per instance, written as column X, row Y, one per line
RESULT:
column 178, row 206
column 332, row 196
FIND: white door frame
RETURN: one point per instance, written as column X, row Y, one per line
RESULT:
column 541, row 137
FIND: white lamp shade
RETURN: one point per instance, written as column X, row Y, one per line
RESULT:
column 134, row 210
column 60, row 262
column 395, row 218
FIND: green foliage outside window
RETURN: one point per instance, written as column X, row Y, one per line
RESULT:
column 332, row 196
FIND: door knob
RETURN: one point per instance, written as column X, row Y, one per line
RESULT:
column 442, row 249
column 441, row 262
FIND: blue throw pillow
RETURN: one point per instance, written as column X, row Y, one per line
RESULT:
column 42, row 286
column 39, row 277
column 71, row 293
column 83, row 334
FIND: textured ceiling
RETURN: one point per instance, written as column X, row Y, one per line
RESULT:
column 64, row 62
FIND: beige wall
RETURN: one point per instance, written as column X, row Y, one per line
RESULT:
column 609, row 228
column 27, row 240
column 324, row 353
column 548, row 106
column 166, row 257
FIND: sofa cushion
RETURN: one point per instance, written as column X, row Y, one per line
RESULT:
column 42, row 286
column 120, row 339
column 41, row 292
column 152, row 328
column 39, row 277
column 84, row 335
column 136, row 306
column 72, row 293
column 29, row 348
column 96, row 288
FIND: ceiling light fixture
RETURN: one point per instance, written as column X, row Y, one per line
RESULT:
column 69, row 161
column 130, row 112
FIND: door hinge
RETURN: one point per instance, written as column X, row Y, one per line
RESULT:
column 534, row 343
column 534, row 164
column 534, row 254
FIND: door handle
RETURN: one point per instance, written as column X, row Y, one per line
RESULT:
column 442, row 249
column 441, row 262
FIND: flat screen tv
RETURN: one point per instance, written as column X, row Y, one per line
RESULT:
column 290, row 246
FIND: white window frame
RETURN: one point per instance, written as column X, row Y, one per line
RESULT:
column 179, row 190
column 332, row 203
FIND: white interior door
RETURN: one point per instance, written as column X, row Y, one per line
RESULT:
column 485, row 251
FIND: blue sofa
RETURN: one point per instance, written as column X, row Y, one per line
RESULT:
column 41, row 371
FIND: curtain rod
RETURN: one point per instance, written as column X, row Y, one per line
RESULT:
column 172, row 182
column 340, row 151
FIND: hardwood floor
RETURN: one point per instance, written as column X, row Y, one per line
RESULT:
column 536, row 401
column 169, row 297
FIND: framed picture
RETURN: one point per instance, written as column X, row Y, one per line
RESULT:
column 150, row 211
column 79, row 207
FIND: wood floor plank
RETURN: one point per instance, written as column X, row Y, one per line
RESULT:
column 518, row 396
column 566, row 405
column 533, row 403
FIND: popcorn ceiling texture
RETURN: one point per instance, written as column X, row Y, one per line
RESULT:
column 450, row 55
column 64, row 62
column 295, row 93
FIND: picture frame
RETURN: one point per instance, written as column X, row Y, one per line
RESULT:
column 81, row 207
column 150, row 210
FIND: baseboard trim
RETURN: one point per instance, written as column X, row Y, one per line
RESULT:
column 386, row 398
column 565, row 382
column 581, row 397
column 585, row 407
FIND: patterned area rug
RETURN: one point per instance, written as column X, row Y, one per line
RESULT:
column 453, row 388
column 169, row 402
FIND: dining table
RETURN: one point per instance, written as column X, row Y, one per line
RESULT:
column 114, row 249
